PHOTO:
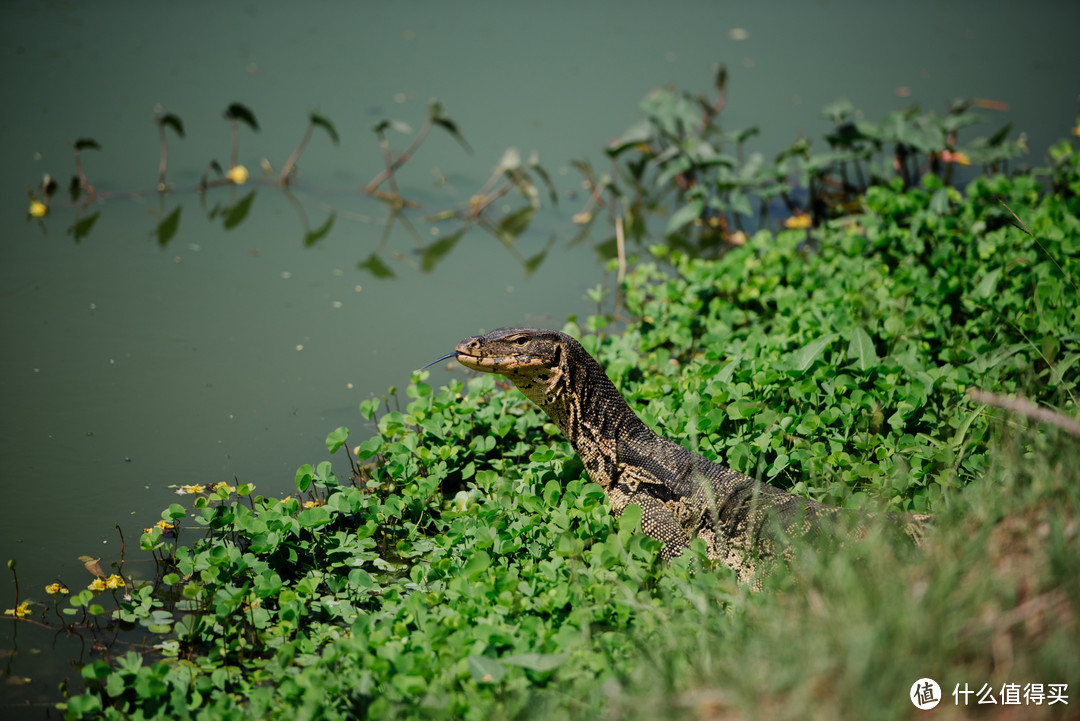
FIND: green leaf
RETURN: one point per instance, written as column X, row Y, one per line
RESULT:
column 485, row 669
column 168, row 226
column 87, row 144
column 514, row 224
column 376, row 266
column 336, row 439
column 321, row 232
column 861, row 349
column 243, row 114
column 437, row 115
column 476, row 565
column 172, row 121
column 684, row 215
column 313, row 517
column 237, row 213
column 81, row 228
column 630, row 520
column 304, row 476
column 536, row 661
column 322, row 122
column 805, row 356
column 435, row 252
column 988, row 285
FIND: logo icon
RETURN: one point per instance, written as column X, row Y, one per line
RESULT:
column 925, row 694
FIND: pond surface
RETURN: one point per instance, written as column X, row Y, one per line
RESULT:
column 231, row 350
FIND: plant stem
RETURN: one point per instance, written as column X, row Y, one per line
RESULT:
column 164, row 158
column 11, row 565
column 82, row 177
column 399, row 161
column 234, row 158
column 283, row 179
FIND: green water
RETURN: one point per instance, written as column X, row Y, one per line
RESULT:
column 127, row 367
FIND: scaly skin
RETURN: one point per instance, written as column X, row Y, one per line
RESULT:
column 682, row 495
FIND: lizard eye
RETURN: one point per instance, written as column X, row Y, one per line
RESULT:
column 521, row 340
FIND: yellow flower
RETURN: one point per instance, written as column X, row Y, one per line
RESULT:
column 1076, row 130
column 114, row 581
column 55, row 589
column 238, row 174
column 38, row 209
column 582, row 218
column 21, row 612
column 190, row 488
column 98, row 584
column 312, row 504
column 802, row 220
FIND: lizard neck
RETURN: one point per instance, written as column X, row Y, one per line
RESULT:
column 580, row 398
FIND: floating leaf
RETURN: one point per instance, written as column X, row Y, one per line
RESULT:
column 93, row 565
column 322, row 122
column 861, row 350
column 319, row 233
column 167, row 228
column 238, row 212
column 86, row 144
column 242, row 113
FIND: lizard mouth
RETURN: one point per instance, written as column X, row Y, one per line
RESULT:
column 497, row 364
column 482, row 364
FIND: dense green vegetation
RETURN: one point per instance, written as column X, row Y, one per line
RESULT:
column 462, row 565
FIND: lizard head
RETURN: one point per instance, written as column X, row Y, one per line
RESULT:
column 533, row 360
